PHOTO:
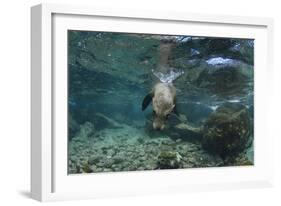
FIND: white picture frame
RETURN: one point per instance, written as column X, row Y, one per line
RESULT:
column 49, row 180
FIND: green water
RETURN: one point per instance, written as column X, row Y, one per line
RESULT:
column 109, row 74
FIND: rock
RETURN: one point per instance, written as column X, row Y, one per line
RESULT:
column 141, row 153
column 101, row 121
column 218, row 45
column 140, row 140
column 184, row 126
column 188, row 132
column 86, row 131
column 111, row 152
column 250, row 152
column 244, row 50
column 167, row 141
column 251, row 111
column 239, row 160
column 73, row 127
column 93, row 168
column 107, row 170
column 178, row 140
column 86, row 168
column 227, row 130
column 93, row 160
column 141, row 168
column 98, row 169
column 223, row 76
column 169, row 160
column 118, row 160
column 151, row 166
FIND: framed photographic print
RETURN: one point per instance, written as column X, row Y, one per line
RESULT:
column 137, row 102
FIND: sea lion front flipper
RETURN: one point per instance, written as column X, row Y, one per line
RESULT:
column 176, row 111
column 146, row 101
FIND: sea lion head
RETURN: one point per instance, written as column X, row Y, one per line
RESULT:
column 162, row 107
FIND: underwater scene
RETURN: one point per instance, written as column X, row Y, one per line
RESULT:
column 147, row 102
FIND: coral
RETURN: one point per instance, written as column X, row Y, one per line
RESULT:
column 227, row 130
column 169, row 160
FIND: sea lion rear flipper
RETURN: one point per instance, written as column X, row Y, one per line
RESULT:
column 146, row 101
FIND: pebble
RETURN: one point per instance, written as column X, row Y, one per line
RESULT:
column 107, row 170
column 93, row 159
column 142, row 153
column 126, row 154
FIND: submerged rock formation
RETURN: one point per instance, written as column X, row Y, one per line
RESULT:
column 227, row 130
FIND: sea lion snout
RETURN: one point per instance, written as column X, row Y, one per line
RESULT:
column 158, row 124
column 162, row 107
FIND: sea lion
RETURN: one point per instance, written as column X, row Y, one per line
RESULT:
column 163, row 98
column 163, row 94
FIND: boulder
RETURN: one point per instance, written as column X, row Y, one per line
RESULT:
column 224, row 76
column 227, row 130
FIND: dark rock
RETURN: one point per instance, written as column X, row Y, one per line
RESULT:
column 169, row 160
column 217, row 45
column 73, row 127
column 227, row 130
column 251, row 111
column 86, row 131
column 239, row 160
column 93, row 160
column 86, row 168
column 244, row 51
column 188, row 132
column 230, row 77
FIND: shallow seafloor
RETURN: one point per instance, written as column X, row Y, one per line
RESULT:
column 130, row 149
column 109, row 74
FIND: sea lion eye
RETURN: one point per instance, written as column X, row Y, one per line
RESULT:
column 154, row 112
column 167, row 116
